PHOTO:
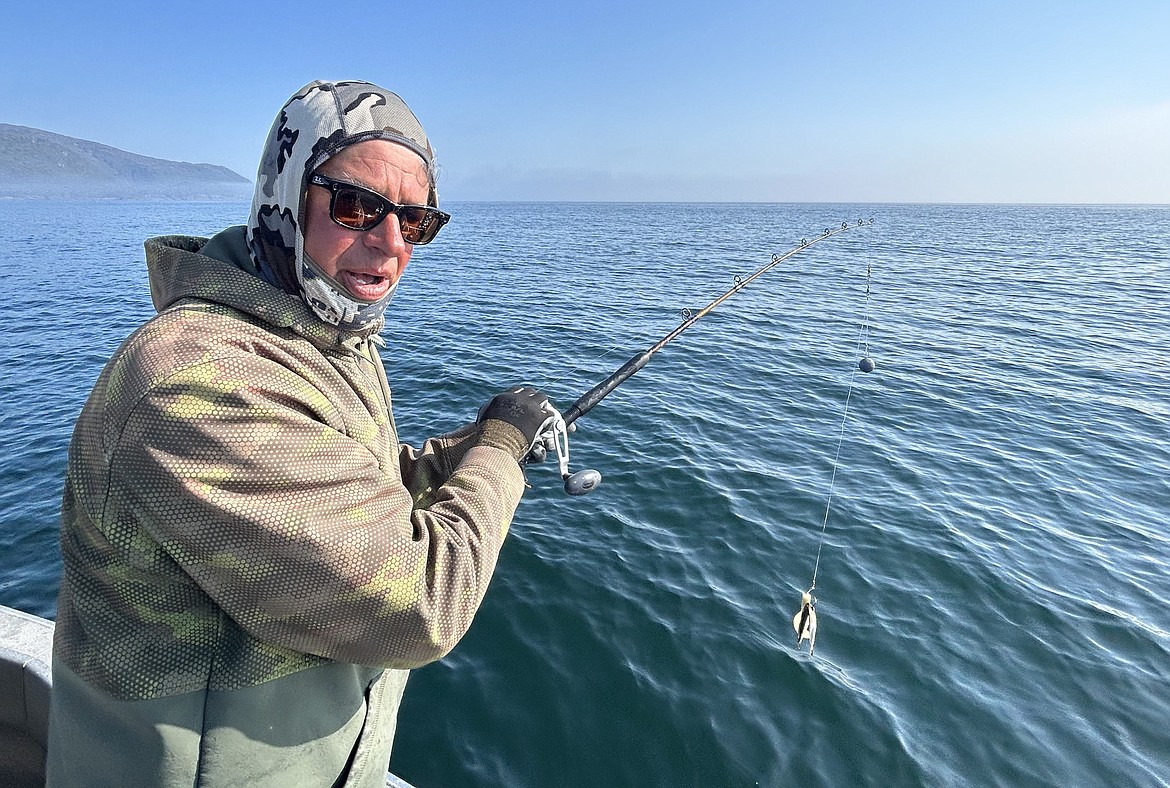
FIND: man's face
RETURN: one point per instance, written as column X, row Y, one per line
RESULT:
column 365, row 263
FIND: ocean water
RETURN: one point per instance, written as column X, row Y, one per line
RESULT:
column 990, row 512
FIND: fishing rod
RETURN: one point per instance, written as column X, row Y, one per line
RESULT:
column 556, row 439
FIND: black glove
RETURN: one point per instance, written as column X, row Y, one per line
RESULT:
column 514, row 419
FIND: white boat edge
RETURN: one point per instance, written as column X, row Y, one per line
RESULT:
column 26, row 681
column 26, row 651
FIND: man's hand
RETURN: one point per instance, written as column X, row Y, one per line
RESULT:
column 514, row 419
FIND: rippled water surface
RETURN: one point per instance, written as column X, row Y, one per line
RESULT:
column 993, row 591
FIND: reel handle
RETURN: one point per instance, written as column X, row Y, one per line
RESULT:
column 556, row 439
column 582, row 482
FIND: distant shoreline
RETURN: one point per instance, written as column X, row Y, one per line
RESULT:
column 243, row 197
column 37, row 164
column 128, row 191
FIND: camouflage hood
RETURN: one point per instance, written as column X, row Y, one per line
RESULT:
column 318, row 121
column 219, row 271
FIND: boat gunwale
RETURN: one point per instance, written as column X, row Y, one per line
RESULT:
column 26, row 681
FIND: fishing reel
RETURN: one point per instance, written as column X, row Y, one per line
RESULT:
column 555, row 439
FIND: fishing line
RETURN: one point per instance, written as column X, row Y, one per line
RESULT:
column 583, row 365
column 865, row 364
column 805, row 620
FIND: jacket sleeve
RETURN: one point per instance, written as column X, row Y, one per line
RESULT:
column 425, row 470
column 299, row 531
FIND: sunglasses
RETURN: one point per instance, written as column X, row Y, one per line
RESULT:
column 358, row 208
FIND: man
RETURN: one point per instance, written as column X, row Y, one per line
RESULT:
column 252, row 562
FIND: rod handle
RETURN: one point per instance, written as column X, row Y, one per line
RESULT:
column 598, row 392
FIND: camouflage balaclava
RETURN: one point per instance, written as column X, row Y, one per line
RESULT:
column 318, row 121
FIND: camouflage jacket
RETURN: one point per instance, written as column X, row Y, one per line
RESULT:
column 247, row 546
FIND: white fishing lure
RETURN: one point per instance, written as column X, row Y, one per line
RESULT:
column 805, row 621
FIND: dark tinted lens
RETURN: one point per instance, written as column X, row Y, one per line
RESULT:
column 357, row 209
column 415, row 222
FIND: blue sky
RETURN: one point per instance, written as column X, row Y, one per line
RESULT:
column 939, row 101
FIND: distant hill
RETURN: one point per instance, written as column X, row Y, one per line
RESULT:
column 37, row 163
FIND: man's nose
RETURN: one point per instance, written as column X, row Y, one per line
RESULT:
column 387, row 237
